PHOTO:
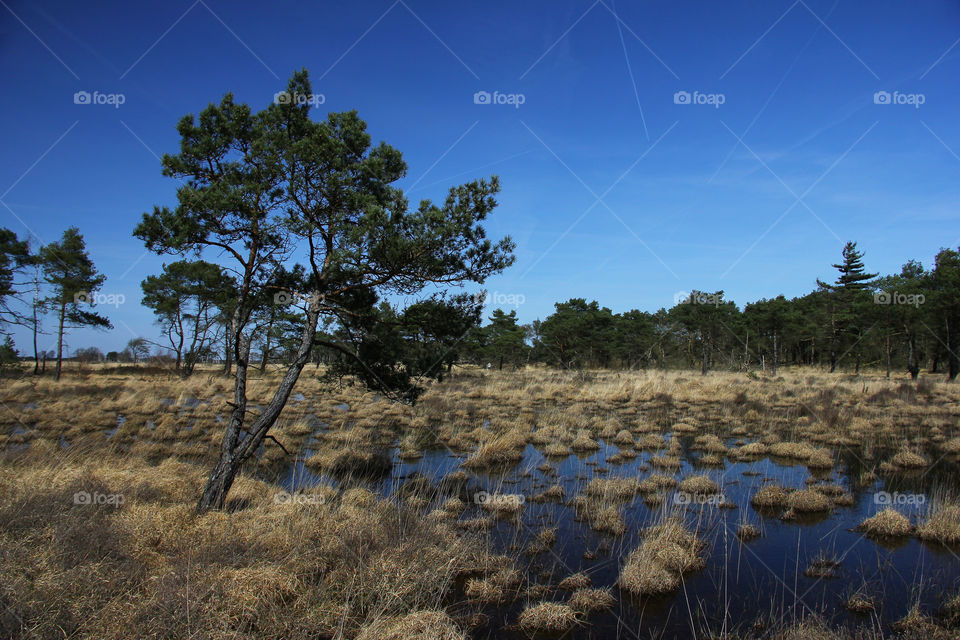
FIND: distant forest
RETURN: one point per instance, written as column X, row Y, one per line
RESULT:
column 907, row 321
column 904, row 322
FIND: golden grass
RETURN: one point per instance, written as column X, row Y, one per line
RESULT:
column 502, row 450
column 941, row 523
column 908, row 459
column 284, row 568
column 551, row 617
column 419, row 625
column 770, row 497
column 887, row 523
column 585, row 601
column 808, row 501
column 747, row 532
column 575, row 581
column 700, row 485
column 612, row 488
column 667, row 552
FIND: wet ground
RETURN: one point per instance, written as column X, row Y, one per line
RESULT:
column 762, row 581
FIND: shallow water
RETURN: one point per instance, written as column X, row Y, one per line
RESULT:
column 743, row 583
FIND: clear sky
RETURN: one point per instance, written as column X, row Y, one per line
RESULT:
column 659, row 146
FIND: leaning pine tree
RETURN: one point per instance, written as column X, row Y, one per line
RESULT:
column 275, row 187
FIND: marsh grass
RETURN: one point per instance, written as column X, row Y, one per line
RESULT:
column 344, row 561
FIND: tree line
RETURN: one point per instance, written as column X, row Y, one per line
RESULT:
column 906, row 321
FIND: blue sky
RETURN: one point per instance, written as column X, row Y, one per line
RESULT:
column 617, row 185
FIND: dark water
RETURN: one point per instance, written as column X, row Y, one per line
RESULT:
column 743, row 583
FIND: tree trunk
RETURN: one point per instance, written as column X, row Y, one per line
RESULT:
column 36, row 355
column 266, row 347
column 912, row 365
column 63, row 313
column 774, row 353
column 953, row 360
column 746, row 352
column 704, row 364
column 888, row 355
column 233, row 451
column 228, row 355
column 265, row 355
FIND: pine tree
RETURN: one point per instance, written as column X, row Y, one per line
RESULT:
column 846, row 299
column 74, row 281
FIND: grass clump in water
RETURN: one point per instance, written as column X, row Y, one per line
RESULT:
column 889, row 523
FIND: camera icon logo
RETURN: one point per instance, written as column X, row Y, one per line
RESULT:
column 881, row 97
column 82, row 497
column 282, row 298
column 881, row 297
column 680, row 297
column 82, row 297
column 81, row 97
column 282, row 97
column 681, row 97
column 481, row 97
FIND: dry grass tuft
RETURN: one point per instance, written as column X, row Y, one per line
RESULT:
column 284, row 568
column 747, row 532
column 550, row 617
column 917, row 626
column 503, row 450
column 556, row 493
column 419, row 625
column 585, row 601
column 700, row 485
column 909, row 460
column 860, row 603
column 808, row 501
column 808, row 630
column 770, row 497
column 578, row 580
column 657, row 566
column 942, row 523
column 888, row 523
column 612, row 488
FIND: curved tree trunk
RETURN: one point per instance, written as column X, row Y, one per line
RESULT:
column 234, row 451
